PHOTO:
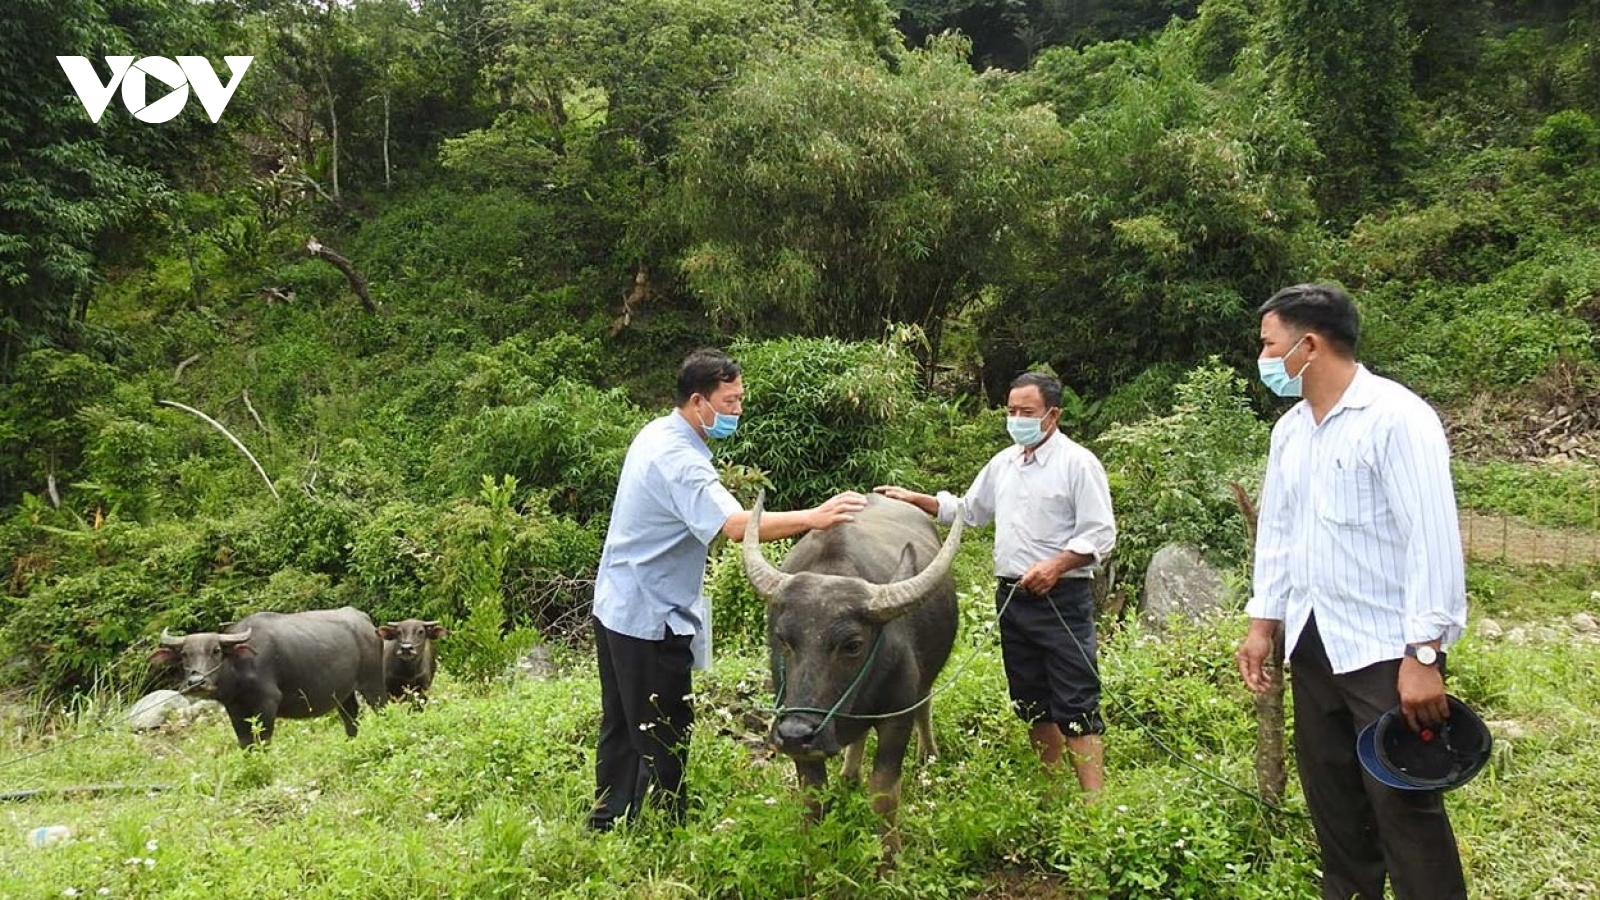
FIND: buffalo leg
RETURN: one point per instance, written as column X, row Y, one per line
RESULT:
column 927, row 748
column 884, row 784
column 852, row 760
column 813, row 775
column 348, row 712
column 244, row 728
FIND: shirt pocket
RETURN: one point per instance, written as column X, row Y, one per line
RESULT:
column 1347, row 496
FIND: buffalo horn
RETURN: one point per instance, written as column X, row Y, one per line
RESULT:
column 763, row 575
column 890, row 601
column 229, row 640
column 174, row 641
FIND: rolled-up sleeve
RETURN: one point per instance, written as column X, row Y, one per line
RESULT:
column 1096, row 532
column 1420, row 492
column 698, row 498
column 979, row 500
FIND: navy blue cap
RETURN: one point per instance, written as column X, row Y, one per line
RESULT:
column 1435, row 758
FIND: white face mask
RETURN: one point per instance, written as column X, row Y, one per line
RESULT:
column 1025, row 431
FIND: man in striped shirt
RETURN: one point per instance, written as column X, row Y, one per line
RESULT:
column 1358, row 557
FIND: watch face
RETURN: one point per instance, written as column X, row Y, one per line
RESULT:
column 1427, row 655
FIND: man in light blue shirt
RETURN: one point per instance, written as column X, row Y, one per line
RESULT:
column 652, row 623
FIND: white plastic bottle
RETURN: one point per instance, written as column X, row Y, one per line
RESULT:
column 45, row 835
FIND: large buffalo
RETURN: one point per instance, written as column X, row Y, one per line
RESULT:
column 860, row 620
column 290, row 665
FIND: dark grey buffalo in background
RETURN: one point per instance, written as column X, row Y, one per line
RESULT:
column 408, row 656
column 883, row 579
column 283, row 665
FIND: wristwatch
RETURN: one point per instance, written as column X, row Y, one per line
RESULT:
column 1423, row 653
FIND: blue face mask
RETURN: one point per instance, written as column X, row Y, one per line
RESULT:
column 722, row 425
column 1276, row 377
column 1025, row 431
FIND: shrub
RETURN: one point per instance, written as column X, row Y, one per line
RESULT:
column 1567, row 140
column 821, row 415
column 1169, row 475
column 472, row 570
column 569, row 441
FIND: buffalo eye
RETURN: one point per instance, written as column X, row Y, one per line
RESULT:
column 852, row 647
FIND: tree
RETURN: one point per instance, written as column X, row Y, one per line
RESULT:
column 1347, row 68
column 1177, row 207
column 68, row 184
column 826, row 193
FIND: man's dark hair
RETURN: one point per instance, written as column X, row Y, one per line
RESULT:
column 1323, row 308
column 702, row 371
column 1049, row 387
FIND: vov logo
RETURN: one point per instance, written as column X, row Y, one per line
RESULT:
column 188, row 72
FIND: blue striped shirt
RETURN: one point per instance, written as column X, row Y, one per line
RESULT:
column 1358, row 524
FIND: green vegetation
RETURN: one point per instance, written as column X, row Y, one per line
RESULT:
column 550, row 202
column 485, row 792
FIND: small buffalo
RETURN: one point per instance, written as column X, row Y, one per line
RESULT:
column 290, row 665
column 408, row 656
column 860, row 619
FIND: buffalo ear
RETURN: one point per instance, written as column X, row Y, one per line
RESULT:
column 437, row 631
column 242, row 650
column 164, row 655
column 388, row 632
column 908, row 564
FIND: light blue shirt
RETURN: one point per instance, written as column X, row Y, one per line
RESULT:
column 670, row 505
column 1358, row 524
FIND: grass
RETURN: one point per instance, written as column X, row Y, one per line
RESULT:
column 484, row 794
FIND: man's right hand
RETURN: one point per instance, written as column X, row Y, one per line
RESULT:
column 1253, row 653
column 925, row 502
column 838, row 509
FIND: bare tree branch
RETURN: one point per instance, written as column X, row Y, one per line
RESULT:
column 358, row 284
column 236, row 442
column 178, row 373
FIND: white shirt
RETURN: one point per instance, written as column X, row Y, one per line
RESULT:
column 1358, row 524
column 1055, row 500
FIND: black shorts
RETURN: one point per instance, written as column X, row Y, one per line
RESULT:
column 1052, row 677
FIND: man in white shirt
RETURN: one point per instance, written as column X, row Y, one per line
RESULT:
column 1050, row 503
column 1358, row 557
column 652, row 623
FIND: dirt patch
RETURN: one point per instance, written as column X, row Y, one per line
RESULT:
column 1025, row 884
column 1490, row 538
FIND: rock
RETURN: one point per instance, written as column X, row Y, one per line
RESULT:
column 536, row 663
column 1517, row 635
column 1180, row 583
column 1489, row 629
column 154, row 709
column 1584, row 622
column 201, row 709
column 1507, row 729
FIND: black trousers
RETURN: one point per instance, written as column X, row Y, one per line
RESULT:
column 646, row 715
column 1366, row 830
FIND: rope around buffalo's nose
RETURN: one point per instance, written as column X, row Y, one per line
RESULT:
column 779, row 710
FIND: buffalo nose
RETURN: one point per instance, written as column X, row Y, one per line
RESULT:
column 792, row 731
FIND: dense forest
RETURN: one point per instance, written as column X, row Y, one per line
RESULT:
column 435, row 263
